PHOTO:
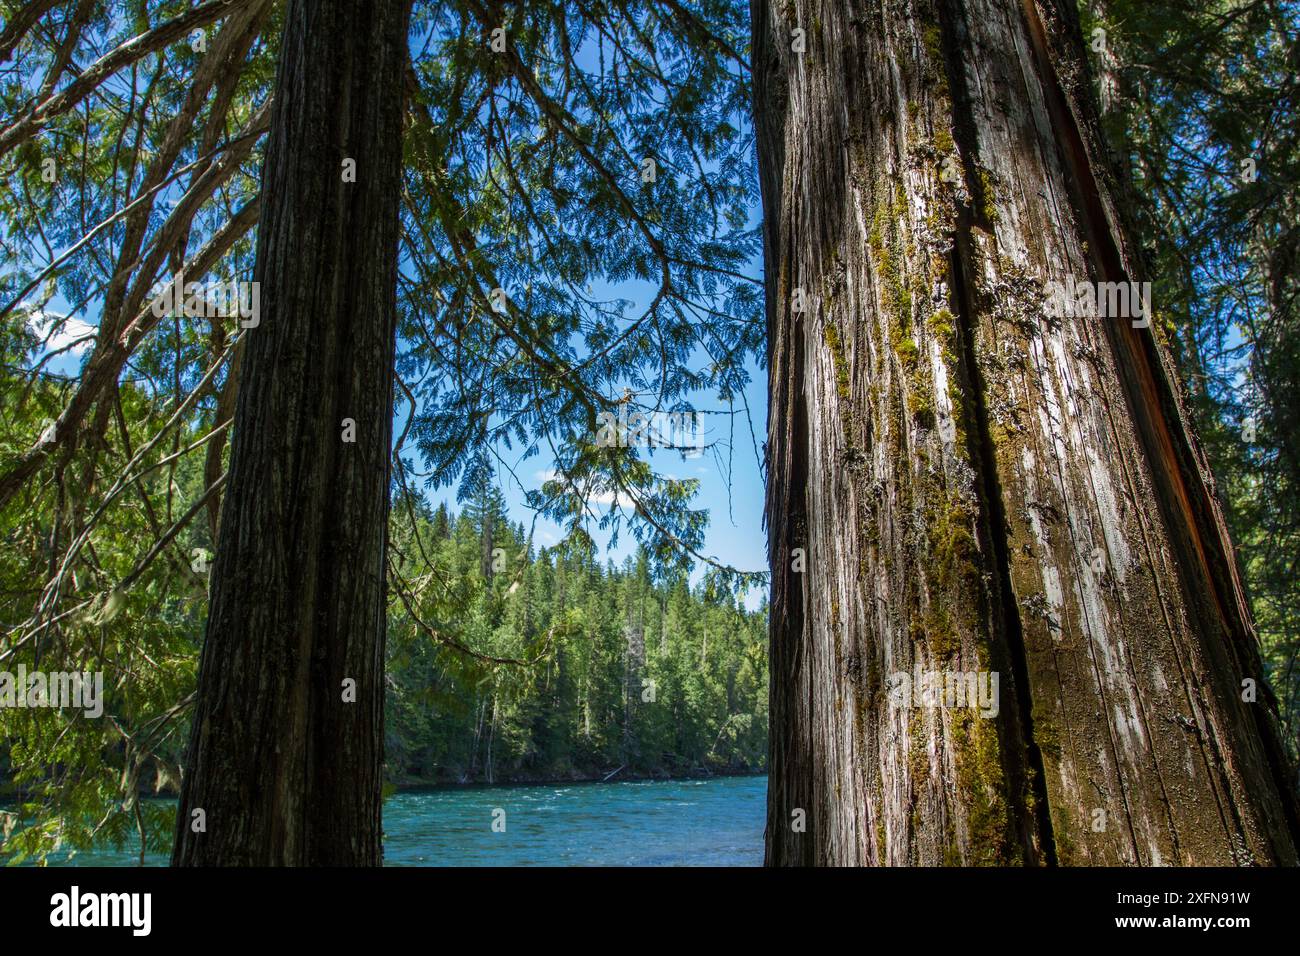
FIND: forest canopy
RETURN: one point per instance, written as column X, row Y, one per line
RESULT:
column 578, row 239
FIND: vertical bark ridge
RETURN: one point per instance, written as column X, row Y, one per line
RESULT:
column 1035, row 817
column 1191, row 511
column 956, row 42
column 287, row 769
column 976, row 482
column 1029, row 775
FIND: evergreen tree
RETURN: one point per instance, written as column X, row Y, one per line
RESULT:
column 965, row 478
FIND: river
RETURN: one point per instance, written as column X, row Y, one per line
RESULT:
column 713, row 822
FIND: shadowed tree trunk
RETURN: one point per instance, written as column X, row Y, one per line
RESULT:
column 285, row 769
column 961, row 481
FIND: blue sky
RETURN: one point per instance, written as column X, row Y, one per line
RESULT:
column 731, row 485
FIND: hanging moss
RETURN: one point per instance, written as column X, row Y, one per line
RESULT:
column 843, row 386
column 987, row 208
column 905, row 347
column 932, row 41
column 982, row 791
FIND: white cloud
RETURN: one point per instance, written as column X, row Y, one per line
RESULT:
column 593, row 494
column 609, row 498
column 73, row 329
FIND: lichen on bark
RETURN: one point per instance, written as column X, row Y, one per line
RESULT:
column 1008, row 449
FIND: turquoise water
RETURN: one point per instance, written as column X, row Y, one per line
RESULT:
column 717, row 822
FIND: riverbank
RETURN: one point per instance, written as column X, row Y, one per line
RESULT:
column 614, row 775
column 9, row 796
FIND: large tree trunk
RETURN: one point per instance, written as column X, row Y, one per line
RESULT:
column 285, row 769
column 976, row 485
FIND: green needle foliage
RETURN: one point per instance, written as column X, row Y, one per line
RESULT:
column 579, row 237
column 1202, row 104
column 654, row 677
column 593, row 164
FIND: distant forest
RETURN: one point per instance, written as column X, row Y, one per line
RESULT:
column 607, row 668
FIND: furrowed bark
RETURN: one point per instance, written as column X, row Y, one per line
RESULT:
column 978, row 485
column 285, row 770
column 224, row 412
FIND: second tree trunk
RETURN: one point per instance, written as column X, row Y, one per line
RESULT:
column 962, row 483
column 287, row 744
